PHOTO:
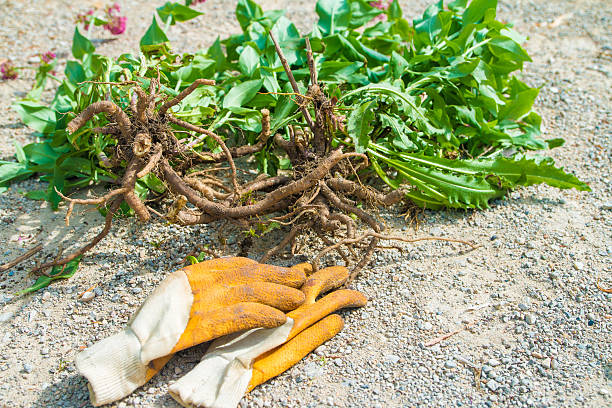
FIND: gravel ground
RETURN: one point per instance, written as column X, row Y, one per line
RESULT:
column 538, row 327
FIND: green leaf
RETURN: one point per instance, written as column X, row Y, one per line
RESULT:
column 477, row 9
column 246, row 12
column 241, row 94
column 519, row 105
column 58, row 272
column 36, row 115
column 360, row 123
column 334, row 16
column 19, row 153
column 81, row 45
column 176, row 12
column 153, row 38
column 249, row 61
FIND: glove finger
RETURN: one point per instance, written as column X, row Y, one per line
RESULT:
column 294, row 276
column 272, row 294
column 307, row 315
column 207, row 273
column 323, row 281
column 206, row 326
column 279, row 360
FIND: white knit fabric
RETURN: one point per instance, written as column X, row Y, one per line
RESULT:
column 222, row 377
column 117, row 365
column 113, row 367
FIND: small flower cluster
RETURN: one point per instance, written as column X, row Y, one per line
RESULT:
column 115, row 23
column 47, row 57
column 381, row 5
column 8, row 70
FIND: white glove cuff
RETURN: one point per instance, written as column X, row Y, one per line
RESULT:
column 113, row 367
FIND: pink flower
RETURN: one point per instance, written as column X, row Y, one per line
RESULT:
column 84, row 19
column 8, row 70
column 111, row 9
column 116, row 25
column 47, row 57
column 381, row 5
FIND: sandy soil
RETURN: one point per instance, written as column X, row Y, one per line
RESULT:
column 541, row 333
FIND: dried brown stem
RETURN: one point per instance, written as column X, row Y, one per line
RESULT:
column 21, row 258
column 177, row 99
column 286, row 241
column 114, row 206
column 294, row 84
column 89, row 201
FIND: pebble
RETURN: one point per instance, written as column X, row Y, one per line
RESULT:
column 392, row 358
column 87, row 296
column 450, row 364
column 493, row 385
column 493, row 362
column 5, row 317
column 27, row 368
column 530, row 318
column 46, row 296
column 136, row 290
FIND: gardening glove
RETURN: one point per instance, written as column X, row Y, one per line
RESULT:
column 198, row 303
column 237, row 363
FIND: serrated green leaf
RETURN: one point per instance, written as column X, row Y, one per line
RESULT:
column 360, row 124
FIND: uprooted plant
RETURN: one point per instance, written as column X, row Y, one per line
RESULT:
column 318, row 196
column 431, row 109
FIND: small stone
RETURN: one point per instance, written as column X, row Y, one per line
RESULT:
column 493, row 385
column 312, row 370
column 44, row 351
column 450, row 364
column 530, row 319
column 578, row 266
column 392, row 358
column 46, row 296
column 87, row 296
column 523, row 306
column 493, row 362
column 603, row 391
column 136, row 290
column 5, row 317
column 546, row 363
column 178, row 370
column 32, row 315
column 27, row 368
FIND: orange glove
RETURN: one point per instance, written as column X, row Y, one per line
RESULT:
column 193, row 305
column 237, row 363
